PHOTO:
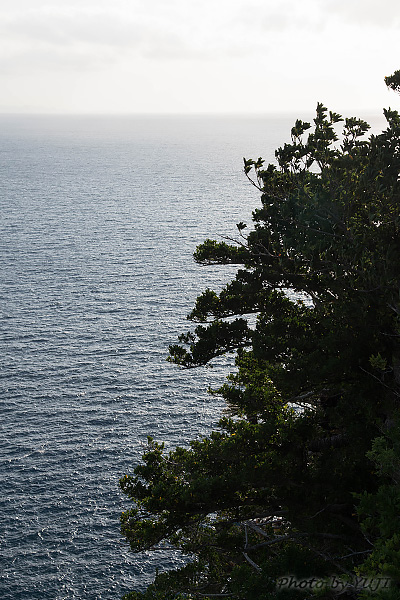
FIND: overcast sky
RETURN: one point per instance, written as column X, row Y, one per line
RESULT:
column 207, row 56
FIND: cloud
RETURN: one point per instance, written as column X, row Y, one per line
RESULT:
column 382, row 14
column 68, row 27
column 113, row 32
column 283, row 17
column 291, row 16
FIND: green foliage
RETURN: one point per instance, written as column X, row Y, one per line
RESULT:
column 380, row 510
column 301, row 476
column 393, row 81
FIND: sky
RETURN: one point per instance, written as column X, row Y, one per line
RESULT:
column 194, row 57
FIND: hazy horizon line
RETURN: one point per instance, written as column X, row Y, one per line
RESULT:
column 272, row 113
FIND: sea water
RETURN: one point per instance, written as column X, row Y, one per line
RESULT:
column 98, row 223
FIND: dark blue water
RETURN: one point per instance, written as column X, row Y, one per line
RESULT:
column 99, row 219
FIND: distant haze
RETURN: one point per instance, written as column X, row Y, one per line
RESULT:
column 181, row 56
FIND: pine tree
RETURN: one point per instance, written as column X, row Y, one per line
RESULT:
column 302, row 478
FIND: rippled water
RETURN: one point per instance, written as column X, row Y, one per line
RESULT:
column 99, row 219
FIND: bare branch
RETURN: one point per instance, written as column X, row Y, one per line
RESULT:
column 252, row 563
column 354, row 554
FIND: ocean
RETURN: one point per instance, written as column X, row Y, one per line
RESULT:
column 99, row 220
